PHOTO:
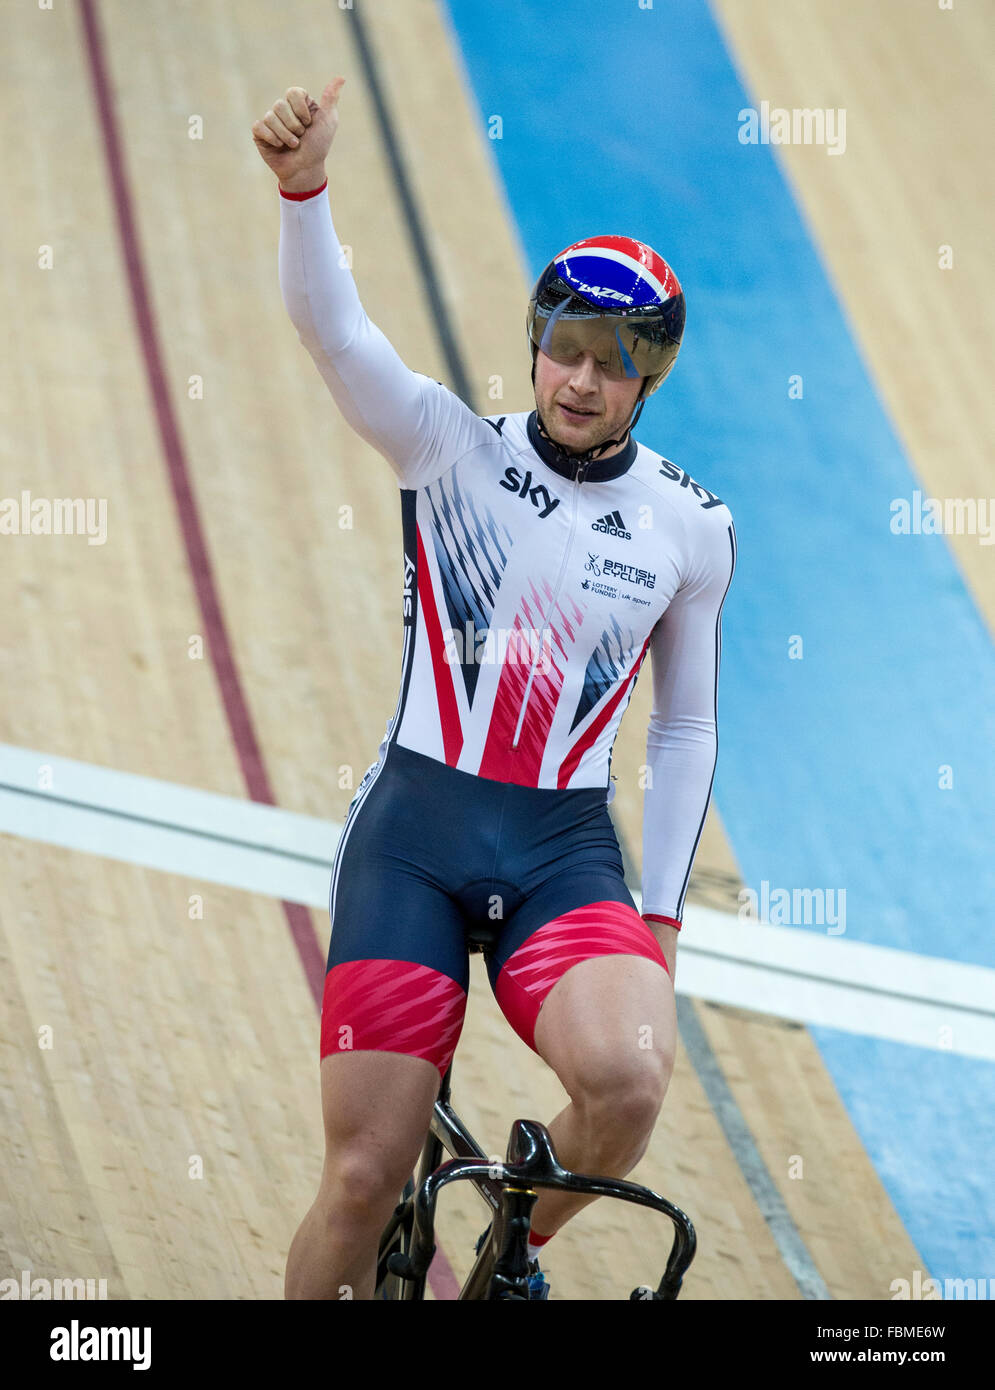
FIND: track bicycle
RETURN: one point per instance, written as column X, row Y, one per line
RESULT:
column 500, row 1271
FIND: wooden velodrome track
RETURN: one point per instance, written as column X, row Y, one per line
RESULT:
column 180, row 1035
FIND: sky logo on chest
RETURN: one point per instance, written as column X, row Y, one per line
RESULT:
column 537, row 493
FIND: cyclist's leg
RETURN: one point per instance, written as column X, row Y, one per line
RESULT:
column 589, row 991
column 393, row 1006
column 389, row 1030
column 376, row 1108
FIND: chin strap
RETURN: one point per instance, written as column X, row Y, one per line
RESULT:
column 587, row 455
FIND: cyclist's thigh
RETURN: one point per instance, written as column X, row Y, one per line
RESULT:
column 376, row 1107
column 398, row 966
column 608, row 1023
column 583, row 914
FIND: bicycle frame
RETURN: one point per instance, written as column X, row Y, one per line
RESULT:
column 509, row 1189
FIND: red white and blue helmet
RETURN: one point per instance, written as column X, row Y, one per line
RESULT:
column 613, row 295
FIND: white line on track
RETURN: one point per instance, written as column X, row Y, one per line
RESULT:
column 789, row 972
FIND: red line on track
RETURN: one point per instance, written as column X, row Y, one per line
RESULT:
column 443, row 1280
column 239, row 719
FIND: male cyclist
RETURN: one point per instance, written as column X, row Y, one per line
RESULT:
column 545, row 553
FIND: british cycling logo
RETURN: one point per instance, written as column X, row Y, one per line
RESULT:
column 677, row 475
column 604, row 590
column 629, row 574
column 539, row 495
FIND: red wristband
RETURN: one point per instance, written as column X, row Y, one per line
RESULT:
column 300, row 197
column 667, row 921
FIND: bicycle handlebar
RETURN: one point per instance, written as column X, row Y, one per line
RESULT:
column 533, row 1162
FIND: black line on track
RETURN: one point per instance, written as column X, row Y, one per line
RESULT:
column 793, row 1250
column 423, row 255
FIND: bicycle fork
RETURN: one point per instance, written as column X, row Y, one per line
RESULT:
column 502, row 1267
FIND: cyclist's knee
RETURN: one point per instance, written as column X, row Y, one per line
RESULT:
column 620, row 1093
column 365, row 1182
column 377, row 1107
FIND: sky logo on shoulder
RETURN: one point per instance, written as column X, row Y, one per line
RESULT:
column 677, row 475
column 612, row 525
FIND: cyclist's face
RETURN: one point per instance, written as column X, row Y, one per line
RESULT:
column 580, row 404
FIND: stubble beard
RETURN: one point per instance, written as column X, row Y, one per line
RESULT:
column 577, row 444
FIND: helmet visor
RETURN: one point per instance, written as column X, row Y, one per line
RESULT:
column 633, row 343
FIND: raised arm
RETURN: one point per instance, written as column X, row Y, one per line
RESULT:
column 416, row 423
column 682, row 741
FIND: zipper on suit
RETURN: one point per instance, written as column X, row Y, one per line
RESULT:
column 578, row 479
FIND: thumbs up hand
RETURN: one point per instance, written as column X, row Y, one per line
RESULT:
column 294, row 137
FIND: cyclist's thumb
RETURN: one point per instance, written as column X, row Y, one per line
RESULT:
column 330, row 96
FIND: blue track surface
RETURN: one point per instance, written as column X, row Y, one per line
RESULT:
column 620, row 119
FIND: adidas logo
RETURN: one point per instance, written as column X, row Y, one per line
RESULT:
column 612, row 525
